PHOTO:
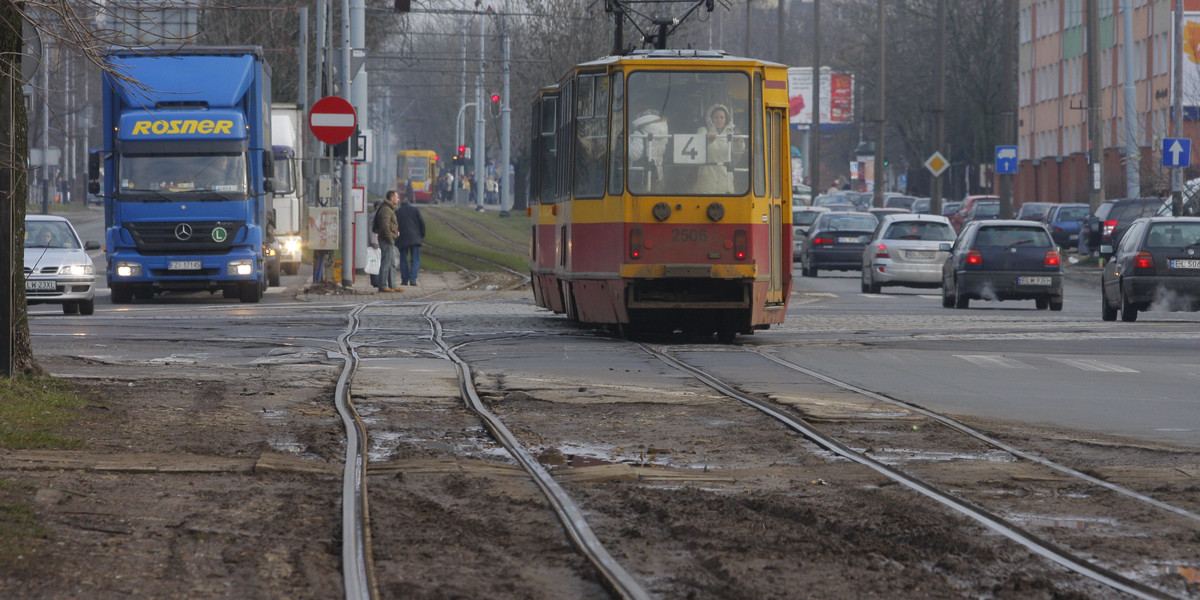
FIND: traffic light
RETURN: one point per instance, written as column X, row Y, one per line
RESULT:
column 464, row 153
column 495, row 98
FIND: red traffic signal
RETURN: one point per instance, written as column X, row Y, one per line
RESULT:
column 462, row 150
column 495, row 98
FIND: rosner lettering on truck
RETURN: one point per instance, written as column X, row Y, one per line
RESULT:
column 161, row 127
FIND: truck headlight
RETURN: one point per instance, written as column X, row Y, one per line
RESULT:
column 292, row 245
column 128, row 269
column 240, row 267
column 75, row 270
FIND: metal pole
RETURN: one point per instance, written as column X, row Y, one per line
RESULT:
column 780, row 31
column 45, row 125
column 1095, row 133
column 459, row 134
column 746, row 44
column 880, row 181
column 478, row 183
column 347, row 211
column 814, row 136
column 1177, row 107
column 939, row 116
column 1133, row 184
column 1008, row 109
column 506, row 182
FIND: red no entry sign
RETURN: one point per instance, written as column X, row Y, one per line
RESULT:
column 332, row 120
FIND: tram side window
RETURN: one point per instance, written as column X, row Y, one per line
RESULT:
column 591, row 135
column 688, row 133
column 616, row 165
column 548, row 152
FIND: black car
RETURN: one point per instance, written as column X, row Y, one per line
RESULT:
column 1090, row 229
column 1156, row 264
column 1122, row 213
column 835, row 242
column 1033, row 211
column 1003, row 260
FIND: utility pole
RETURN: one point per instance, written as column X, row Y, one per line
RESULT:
column 780, row 31
column 814, row 131
column 1095, row 133
column 939, row 114
column 479, row 181
column 1133, row 183
column 506, row 182
column 1008, row 107
column 746, row 44
column 347, row 210
column 1177, row 107
column 881, row 116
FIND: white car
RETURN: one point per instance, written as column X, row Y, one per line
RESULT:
column 58, row 269
column 904, row 251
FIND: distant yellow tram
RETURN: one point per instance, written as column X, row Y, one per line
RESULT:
column 661, row 192
column 419, row 167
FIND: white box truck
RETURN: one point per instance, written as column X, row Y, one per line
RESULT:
column 287, row 141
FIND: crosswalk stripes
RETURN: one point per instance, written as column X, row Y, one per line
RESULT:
column 1004, row 362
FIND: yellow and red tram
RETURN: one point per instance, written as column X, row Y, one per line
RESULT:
column 661, row 193
column 421, row 168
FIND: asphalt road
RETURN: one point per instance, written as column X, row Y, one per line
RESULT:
column 1002, row 359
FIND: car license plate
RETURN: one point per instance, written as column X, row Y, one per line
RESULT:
column 1184, row 263
column 919, row 253
column 849, row 240
column 41, row 286
column 1073, row 236
column 183, row 265
column 1033, row 281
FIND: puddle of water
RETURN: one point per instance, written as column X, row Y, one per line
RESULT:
column 1063, row 522
column 899, row 455
column 287, row 446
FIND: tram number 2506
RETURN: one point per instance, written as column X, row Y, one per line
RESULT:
column 689, row 235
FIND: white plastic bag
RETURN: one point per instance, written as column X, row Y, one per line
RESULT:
column 373, row 256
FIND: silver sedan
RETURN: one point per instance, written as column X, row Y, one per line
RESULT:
column 904, row 251
column 58, row 269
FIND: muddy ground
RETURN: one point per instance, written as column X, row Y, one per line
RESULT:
column 205, row 486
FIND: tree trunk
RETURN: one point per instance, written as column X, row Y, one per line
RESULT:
column 14, row 152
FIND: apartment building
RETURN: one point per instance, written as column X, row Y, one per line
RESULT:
column 1052, row 116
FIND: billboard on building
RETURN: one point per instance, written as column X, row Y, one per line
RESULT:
column 1191, row 59
column 837, row 97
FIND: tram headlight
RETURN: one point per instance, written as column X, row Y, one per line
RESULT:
column 739, row 244
column 716, row 211
column 661, row 211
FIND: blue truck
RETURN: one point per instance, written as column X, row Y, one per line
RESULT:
column 186, row 171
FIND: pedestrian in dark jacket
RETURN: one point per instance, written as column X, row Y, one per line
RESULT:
column 412, row 232
column 385, row 227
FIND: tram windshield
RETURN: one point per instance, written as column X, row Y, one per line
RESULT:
column 688, row 133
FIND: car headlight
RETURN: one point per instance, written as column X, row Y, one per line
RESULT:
column 292, row 245
column 76, row 270
column 240, row 267
column 128, row 269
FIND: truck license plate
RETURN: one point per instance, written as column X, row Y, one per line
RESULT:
column 1185, row 263
column 1033, row 281
column 41, row 286
column 183, row 265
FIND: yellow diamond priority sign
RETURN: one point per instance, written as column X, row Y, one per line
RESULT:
column 936, row 164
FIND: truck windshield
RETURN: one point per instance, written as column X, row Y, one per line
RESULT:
column 164, row 175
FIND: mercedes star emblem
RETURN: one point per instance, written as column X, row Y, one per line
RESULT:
column 183, row 232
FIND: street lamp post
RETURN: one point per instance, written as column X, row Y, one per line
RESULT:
column 458, row 141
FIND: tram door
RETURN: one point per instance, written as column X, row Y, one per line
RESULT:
column 778, row 176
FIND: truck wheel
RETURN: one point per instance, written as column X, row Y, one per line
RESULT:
column 273, row 276
column 251, row 292
column 121, row 293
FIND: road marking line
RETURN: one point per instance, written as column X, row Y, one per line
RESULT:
column 1088, row 364
column 1002, row 362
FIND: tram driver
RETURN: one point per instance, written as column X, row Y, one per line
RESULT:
column 647, row 145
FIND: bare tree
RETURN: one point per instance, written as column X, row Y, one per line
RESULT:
column 85, row 28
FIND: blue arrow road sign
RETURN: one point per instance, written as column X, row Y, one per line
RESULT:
column 1176, row 152
column 1006, row 160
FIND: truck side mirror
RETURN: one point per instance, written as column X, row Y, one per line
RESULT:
column 268, row 185
column 94, row 166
